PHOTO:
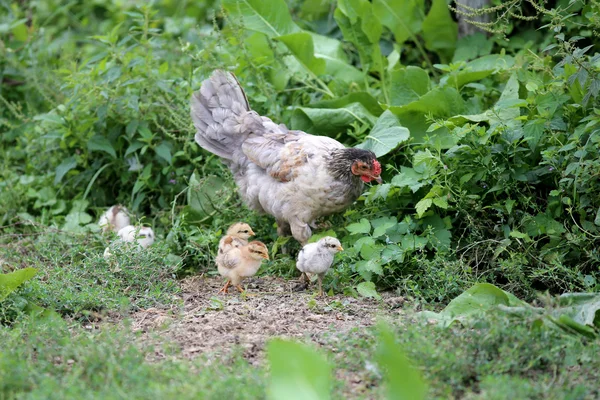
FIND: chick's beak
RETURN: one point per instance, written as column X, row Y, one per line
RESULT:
column 265, row 256
column 251, row 232
column 340, row 248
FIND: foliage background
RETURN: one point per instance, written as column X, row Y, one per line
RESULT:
column 490, row 143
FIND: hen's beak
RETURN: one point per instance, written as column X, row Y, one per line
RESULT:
column 340, row 248
column 378, row 179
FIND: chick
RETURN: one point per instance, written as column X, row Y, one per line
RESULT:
column 143, row 235
column 237, row 235
column 316, row 258
column 114, row 219
column 241, row 262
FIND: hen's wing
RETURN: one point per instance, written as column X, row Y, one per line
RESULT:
column 282, row 153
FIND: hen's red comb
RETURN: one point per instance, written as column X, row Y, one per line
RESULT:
column 376, row 168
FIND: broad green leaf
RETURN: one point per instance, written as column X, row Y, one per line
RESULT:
column 302, row 47
column 441, row 239
column 412, row 242
column 402, row 17
column 481, row 68
column 359, row 227
column 478, row 299
column 472, row 46
column 262, row 54
column 11, row 281
column 386, row 135
column 441, row 202
column 20, row 31
column 408, row 85
column 367, row 289
column 381, row 225
column 364, row 98
column 583, row 308
column 360, row 27
column 336, row 62
column 410, row 178
column 440, row 102
column 269, row 17
column 402, row 380
column 100, row 143
column 439, row 29
column 204, row 195
column 315, row 237
column 297, row 372
column 64, row 167
column 164, row 152
column 371, row 266
column 330, row 121
column 422, row 206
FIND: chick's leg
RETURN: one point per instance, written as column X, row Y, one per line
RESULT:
column 240, row 288
column 225, row 288
column 320, row 285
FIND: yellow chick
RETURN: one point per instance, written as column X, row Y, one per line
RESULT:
column 237, row 235
column 241, row 262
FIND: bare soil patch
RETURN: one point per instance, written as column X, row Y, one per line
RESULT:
column 211, row 323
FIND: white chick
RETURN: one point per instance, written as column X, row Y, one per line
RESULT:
column 114, row 219
column 316, row 258
column 143, row 235
column 241, row 262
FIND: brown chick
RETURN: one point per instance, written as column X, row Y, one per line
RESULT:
column 241, row 262
column 237, row 235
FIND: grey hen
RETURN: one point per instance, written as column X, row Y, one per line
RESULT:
column 292, row 175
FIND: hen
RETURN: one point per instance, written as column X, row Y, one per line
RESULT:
column 316, row 258
column 114, row 219
column 292, row 175
column 241, row 262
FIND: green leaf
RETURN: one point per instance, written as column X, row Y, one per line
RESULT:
column 402, row 380
column 367, row 289
column 402, row 17
column 269, row 17
column 472, row 46
column 386, row 135
column 64, row 167
column 11, row 281
column 365, row 99
column 441, row 202
column 101, row 143
column 481, row 68
column 302, row 47
column 20, row 32
column 297, row 372
column 408, row 85
column 336, row 62
column 440, row 102
column 422, row 206
column 204, row 194
column 408, row 177
column 439, row 29
column 478, row 299
column 371, row 266
column 360, row 27
column 163, row 151
column 359, row 227
column 326, row 121
column 583, row 308
column 381, row 225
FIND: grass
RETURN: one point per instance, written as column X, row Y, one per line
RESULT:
column 502, row 358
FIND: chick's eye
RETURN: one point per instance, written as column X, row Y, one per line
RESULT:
column 245, row 231
column 332, row 245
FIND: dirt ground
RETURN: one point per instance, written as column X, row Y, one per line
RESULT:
column 211, row 323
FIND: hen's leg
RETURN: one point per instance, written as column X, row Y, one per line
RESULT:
column 283, row 228
column 224, row 289
column 300, row 231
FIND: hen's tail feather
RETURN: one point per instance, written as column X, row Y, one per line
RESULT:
column 222, row 116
